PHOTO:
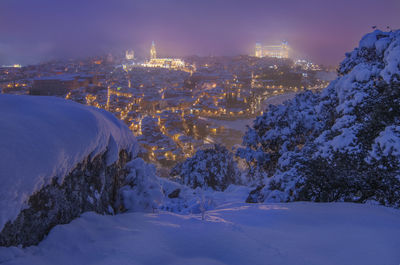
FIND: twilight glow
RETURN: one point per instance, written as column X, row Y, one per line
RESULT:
column 32, row 31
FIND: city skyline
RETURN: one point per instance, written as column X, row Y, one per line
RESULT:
column 323, row 32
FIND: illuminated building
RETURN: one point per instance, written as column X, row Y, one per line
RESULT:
column 307, row 65
column 169, row 63
column 153, row 53
column 12, row 66
column 130, row 55
column 154, row 62
column 258, row 50
column 275, row 51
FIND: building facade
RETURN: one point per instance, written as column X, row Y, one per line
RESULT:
column 258, row 50
column 275, row 51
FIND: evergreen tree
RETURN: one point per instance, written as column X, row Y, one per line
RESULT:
column 340, row 145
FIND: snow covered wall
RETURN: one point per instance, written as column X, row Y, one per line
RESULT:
column 58, row 159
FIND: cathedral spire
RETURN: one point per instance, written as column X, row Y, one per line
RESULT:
column 153, row 53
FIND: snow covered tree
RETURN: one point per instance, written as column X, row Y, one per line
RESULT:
column 341, row 144
column 214, row 167
column 367, row 97
column 284, row 128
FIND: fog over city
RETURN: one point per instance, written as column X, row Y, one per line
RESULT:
column 33, row 31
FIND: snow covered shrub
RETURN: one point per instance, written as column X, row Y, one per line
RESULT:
column 142, row 190
column 341, row 144
column 284, row 128
column 214, row 167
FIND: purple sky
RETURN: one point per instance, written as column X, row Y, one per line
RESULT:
column 321, row 30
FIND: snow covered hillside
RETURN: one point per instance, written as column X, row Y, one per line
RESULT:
column 233, row 233
column 42, row 141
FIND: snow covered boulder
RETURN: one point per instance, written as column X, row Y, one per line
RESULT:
column 58, row 160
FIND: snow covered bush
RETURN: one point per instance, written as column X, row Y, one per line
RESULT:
column 214, row 167
column 341, row 144
column 142, row 189
column 186, row 200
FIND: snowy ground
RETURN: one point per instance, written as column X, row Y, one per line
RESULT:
column 233, row 233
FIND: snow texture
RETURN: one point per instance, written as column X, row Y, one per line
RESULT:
column 44, row 138
column 387, row 143
column 143, row 190
column 233, row 233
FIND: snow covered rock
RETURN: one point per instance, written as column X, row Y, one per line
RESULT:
column 58, row 159
column 341, row 144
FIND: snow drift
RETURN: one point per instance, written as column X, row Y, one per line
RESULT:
column 233, row 233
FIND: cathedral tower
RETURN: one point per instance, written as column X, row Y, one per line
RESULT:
column 153, row 53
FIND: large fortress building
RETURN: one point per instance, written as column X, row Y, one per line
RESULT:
column 276, row 51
